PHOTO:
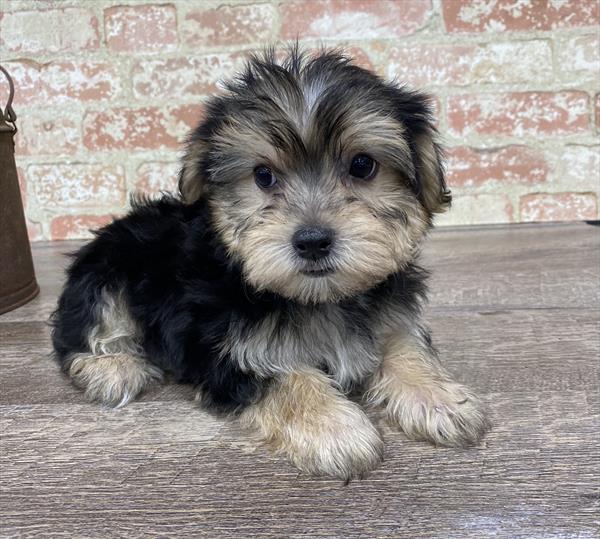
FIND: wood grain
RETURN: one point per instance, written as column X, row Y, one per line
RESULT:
column 514, row 312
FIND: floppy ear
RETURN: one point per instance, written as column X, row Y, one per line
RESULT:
column 414, row 111
column 431, row 177
column 191, row 176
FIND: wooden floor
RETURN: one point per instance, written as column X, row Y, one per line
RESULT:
column 514, row 311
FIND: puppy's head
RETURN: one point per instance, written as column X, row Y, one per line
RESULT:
column 321, row 177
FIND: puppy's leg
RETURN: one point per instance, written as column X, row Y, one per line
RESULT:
column 323, row 432
column 113, row 372
column 421, row 397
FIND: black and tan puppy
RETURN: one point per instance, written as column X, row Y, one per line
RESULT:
column 284, row 277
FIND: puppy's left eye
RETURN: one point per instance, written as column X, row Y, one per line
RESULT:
column 264, row 177
column 363, row 166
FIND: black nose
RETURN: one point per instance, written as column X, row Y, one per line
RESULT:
column 312, row 242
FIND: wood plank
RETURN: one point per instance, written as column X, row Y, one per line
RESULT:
column 50, row 260
column 511, row 267
column 553, row 265
column 491, row 351
column 153, row 468
column 515, row 315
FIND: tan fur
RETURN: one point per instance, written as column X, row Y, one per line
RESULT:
column 114, row 372
column 378, row 223
column 112, row 379
column 421, row 397
column 115, row 331
column 321, row 431
column 296, row 124
column 191, row 184
column 368, row 247
column 435, row 197
column 316, row 336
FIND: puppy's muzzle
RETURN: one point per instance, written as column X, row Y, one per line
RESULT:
column 313, row 243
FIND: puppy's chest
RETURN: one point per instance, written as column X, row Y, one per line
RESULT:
column 326, row 336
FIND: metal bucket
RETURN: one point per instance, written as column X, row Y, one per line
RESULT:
column 17, row 277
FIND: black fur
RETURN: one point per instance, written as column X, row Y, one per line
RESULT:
column 179, row 286
column 249, row 96
column 165, row 257
column 184, row 292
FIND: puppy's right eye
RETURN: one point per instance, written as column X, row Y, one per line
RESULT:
column 363, row 166
column 264, row 177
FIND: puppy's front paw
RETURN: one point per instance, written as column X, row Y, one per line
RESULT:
column 321, row 431
column 112, row 379
column 444, row 412
column 343, row 443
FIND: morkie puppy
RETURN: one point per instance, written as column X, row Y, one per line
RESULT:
column 284, row 277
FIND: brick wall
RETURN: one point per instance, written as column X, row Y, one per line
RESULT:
column 106, row 90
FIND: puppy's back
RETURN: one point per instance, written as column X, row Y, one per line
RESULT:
column 144, row 247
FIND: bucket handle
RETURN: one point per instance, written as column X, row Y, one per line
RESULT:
column 8, row 116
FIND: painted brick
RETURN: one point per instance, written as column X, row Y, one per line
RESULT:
column 361, row 56
column 48, row 31
column 351, row 19
column 183, row 118
column 580, row 56
column 47, row 133
column 182, row 77
column 26, row 78
column 77, row 185
column 558, row 207
column 142, row 28
column 508, row 15
column 519, row 113
column 22, row 178
column 80, row 81
column 131, row 101
column 72, row 227
column 578, row 167
column 34, row 230
column 229, row 25
column 156, row 176
column 436, row 109
column 468, row 167
column 458, row 65
column 477, row 209
column 138, row 128
column 58, row 82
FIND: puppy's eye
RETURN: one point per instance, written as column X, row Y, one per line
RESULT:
column 264, row 177
column 363, row 166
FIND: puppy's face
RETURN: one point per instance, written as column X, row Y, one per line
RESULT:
column 321, row 178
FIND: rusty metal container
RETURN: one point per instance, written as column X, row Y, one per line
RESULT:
column 17, row 277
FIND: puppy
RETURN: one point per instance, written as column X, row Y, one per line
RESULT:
column 285, row 274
